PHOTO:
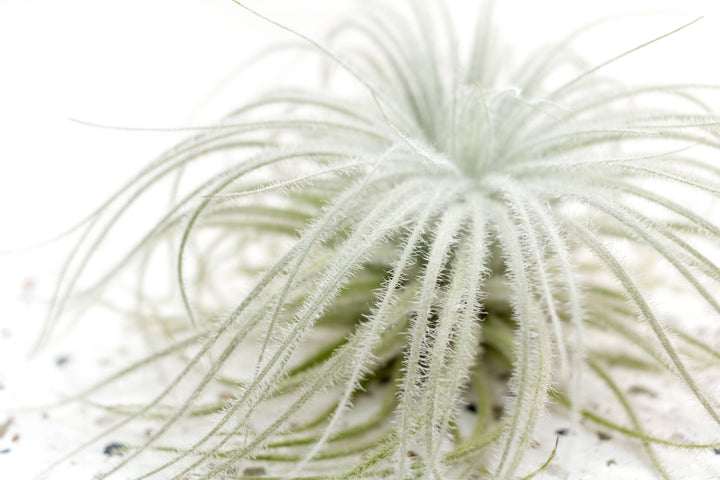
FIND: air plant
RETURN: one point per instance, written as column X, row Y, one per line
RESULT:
column 451, row 231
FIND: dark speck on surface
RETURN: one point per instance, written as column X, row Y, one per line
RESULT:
column 716, row 451
column 62, row 360
column 604, row 436
column 254, row 471
column 611, row 462
column 497, row 411
column 640, row 390
column 562, row 431
column 471, row 407
column 114, row 448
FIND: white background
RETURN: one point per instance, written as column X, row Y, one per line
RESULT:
column 149, row 63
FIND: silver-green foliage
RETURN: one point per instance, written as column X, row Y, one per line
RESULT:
column 451, row 228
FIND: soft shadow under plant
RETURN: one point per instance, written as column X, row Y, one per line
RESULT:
column 453, row 232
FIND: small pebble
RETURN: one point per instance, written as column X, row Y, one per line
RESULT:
column 112, row 449
column 562, row 431
column 640, row 390
column 412, row 454
column 604, row 436
column 254, row 471
column 62, row 360
column 678, row 437
column 471, row 407
column 611, row 462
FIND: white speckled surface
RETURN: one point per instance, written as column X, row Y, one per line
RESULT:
column 147, row 63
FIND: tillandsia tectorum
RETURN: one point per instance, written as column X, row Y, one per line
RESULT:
column 453, row 230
